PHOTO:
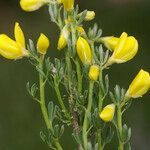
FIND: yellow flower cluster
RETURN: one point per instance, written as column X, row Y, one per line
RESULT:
column 124, row 48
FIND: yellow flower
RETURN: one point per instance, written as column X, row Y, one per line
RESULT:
column 89, row 16
column 62, row 42
column 42, row 44
column 110, row 42
column 140, row 85
column 11, row 49
column 68, row 4
column 107, row 113
column 60, row 1
column 84, row 51
column 32, row 5
column 125, row 49
column 81, row 31
column 94, row 72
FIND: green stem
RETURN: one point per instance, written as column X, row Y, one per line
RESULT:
column 100, row 105
column 91, row 86
column 69, row 68
column 78, row 67
column 100, row 147
column 125, row 100
column 93, row 51
column 119, row 125
column 100, row 95
column 71, row 99
column 60, row 100
column 43, row 104
column 85, row 123
column 79, row 75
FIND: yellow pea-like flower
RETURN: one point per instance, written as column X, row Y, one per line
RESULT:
column 110, row 42
column 84, row 51
column 94, row 72
column 68, row 4
column 140, row 85
column 125, row 49
column 89, row 16
column 107, row 113
column 62, row 42
column 32, row 5
column 42, row 44
column 12, row 49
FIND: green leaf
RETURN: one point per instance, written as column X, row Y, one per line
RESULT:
column 51, row 12
column 123, row 91
column 101, row 54
column 51, row 110
column 106, row 84
column 32, row 90
column 43, row 137
column 108, row 135
column 82, row 17
column 126, row 134
column 96, row 146
column 127, row 105
column 128, row 146
column 106, row 56
column 112, row 97
column 32, row 48
column 117, row 93
column 61, row 131
column 90, row 146
column 77, row 137
column 40, row 71
column 56, row 130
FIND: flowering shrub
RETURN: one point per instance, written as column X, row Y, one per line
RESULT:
column 82, row 75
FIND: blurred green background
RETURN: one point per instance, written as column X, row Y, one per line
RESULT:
column 20, row 116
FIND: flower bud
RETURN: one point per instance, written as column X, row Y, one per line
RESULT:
column 94, row 72
column 89, row 16
column 32, row 5
column 140, row 85
column 81, row 31
column 125, row 49
column 107, row 113
column 84, row 51
column 68, row 4
column 42, row 44
column 110, row 42
column 62, row 42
